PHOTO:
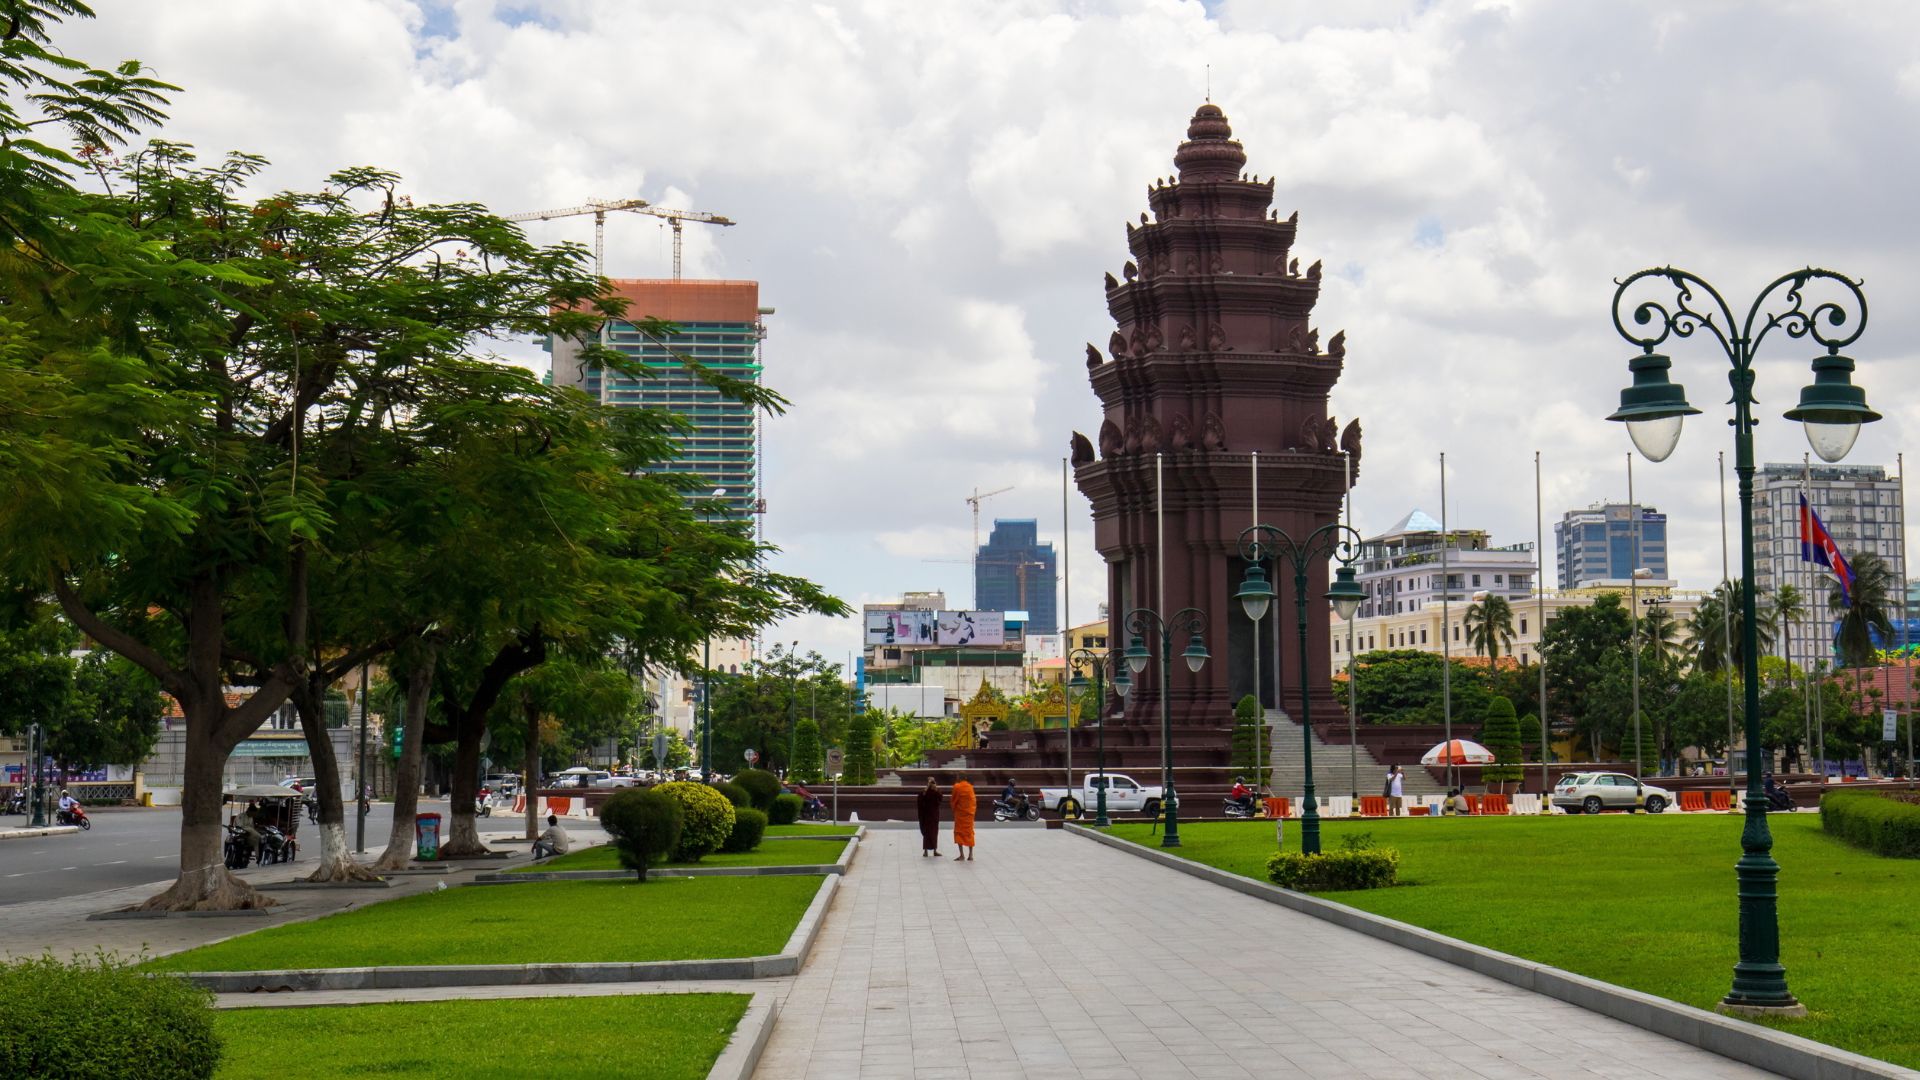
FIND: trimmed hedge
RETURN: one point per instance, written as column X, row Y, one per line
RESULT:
column 1885, row 824
column 1329, row 871
column 786, row 809
column 749, row 825
column 761, row 785
column 709, row 819
column 645, row 825
column 97, row 1019
column 734, row 793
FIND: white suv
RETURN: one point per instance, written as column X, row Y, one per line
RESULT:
column 1590, row 793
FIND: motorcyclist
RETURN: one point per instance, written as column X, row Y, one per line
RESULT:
column 67, row 805
column 1777, row 796
column 1242, row 794
column 807, row 798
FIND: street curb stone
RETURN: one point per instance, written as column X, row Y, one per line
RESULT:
column 299, row 884
column 838, row 866
column 786, row 962
column 749, row 1040
column 1750, row 1044
column 51, row 830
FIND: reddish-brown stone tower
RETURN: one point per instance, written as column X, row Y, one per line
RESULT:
column 1214, row 360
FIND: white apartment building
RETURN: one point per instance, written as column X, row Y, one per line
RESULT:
column 1861, row 507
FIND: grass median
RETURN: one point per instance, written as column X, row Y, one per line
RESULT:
column 544, row 922
column 1645, row 902
column 812, row 830
column 657, row 1036
column 604, row 857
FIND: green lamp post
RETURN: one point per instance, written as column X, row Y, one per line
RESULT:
column 1122, row 685
column 1832, row 409
column 1140, row 623
column 1258, row 543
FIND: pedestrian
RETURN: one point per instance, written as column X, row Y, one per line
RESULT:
column 555, row 841
column 963, row 811
column 1458, row 803
column 929, row 800
column 1396, row 791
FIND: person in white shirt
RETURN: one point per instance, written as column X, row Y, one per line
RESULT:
column 554, row 841
column 1396, row 791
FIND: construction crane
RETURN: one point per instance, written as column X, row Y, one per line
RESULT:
column 973, row 500
column 599, row 208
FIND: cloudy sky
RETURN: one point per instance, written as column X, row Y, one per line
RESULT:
column 930, row 192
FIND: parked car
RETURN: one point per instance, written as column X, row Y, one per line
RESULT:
column 502, row 783
column 614, row 780
column 1590, row 793
column 304, row 783
column 578, row 777
column 1124, row 795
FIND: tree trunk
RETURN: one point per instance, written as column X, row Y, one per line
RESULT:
column 204, row 883
column 530, row 771
column 406, row 775
column 336, row 862
column 463, row 837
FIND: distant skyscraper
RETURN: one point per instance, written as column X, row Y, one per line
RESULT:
column 1597, row 544
column 1014, row 571
column 719, row 326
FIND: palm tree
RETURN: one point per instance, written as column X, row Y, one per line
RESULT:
column 1714, row 631
column 1490, row 628
column 1867, row 614
column 1659, row 638
column 1786, row 608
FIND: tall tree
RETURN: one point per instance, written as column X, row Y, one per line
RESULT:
column 1490, row 628
column 1864, row 611
column 1579, row 645
column 1406, row 686
column 1784, row 609
column 1715, row 630
column 1501, row 734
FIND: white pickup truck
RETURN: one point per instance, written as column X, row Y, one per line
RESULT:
column 1124, row 795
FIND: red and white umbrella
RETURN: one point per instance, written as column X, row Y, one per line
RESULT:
column 1458, row 752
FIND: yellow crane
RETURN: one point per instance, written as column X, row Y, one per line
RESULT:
column 600, row 208
column 973, row 500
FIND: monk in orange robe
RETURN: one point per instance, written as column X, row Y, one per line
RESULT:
column 963, row 810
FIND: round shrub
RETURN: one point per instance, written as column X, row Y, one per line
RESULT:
column 761, row 785
column 99, row 1020
column 749, row 825
column 734, row 793
column 786, row 809
column 645, row 825
column 708, row 819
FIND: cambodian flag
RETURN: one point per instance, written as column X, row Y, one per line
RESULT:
column 1816, row 545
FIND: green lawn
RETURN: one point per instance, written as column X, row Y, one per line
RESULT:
column 812, row 830
column 1643, row 902
column 658, row 1036
column 539, row 922
column 603, row 857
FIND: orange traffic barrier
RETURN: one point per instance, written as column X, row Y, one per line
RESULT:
column 1494, row 804
column 1693, row 801
column 1279, row 807
column 1722, row 800
column 1373, row 806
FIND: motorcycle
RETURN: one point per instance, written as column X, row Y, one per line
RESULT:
column 1242, row 809
column 1019, row 808
column 16, row 802
column 75, row 816
column 276, row 846
column 239, row 848
column 813, row 810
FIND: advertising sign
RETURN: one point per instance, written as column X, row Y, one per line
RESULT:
column 971, row 628
column 1889, row 725
column 900, row 628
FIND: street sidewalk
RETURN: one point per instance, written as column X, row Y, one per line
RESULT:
column 61, row 926
column 30, row 833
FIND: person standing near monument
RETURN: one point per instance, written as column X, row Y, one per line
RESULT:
column 963, row 811
column 929, row 804
column 1396, row 791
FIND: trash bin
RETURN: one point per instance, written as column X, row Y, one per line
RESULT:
column 426, row 837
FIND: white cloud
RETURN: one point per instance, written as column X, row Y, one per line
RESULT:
column 929, row 194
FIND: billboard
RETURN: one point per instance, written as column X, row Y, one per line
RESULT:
column 971, row 628
column 900, row 627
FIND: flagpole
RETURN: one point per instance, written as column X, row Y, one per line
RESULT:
column 1066, row 634
column 1540, row 621
column 1906, row 646
column 1633, row 646
column 1259, row 701
column 1446, row 626
column 1726, row 620
column 1814, row 674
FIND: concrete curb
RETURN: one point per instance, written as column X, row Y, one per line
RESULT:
column 749, row 1040
column 241, row 913
column 856, row 834
column 56, row 830
column 1738, row 1040
column 786, row 962
column 297, row 883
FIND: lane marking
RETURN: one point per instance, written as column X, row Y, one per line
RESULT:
column 69, row 868
column 115, row 862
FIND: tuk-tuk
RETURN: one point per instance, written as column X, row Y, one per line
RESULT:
column 261, row 822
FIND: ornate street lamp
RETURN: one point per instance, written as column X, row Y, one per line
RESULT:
column 1141, row 622
column 1122, row 685
column 1258, row 543
column 1832, row 410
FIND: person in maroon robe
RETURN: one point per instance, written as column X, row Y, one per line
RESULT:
column 929, row 801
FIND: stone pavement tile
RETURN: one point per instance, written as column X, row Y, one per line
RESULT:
column 959, row 972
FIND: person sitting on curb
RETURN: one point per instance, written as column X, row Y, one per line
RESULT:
column 1458, row 803
column 554, row 841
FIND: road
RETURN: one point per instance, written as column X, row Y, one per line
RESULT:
column 136, row 846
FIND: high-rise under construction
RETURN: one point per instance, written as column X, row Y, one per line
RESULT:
column 719, row 325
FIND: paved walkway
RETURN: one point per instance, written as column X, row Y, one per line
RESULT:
column 970, row 971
